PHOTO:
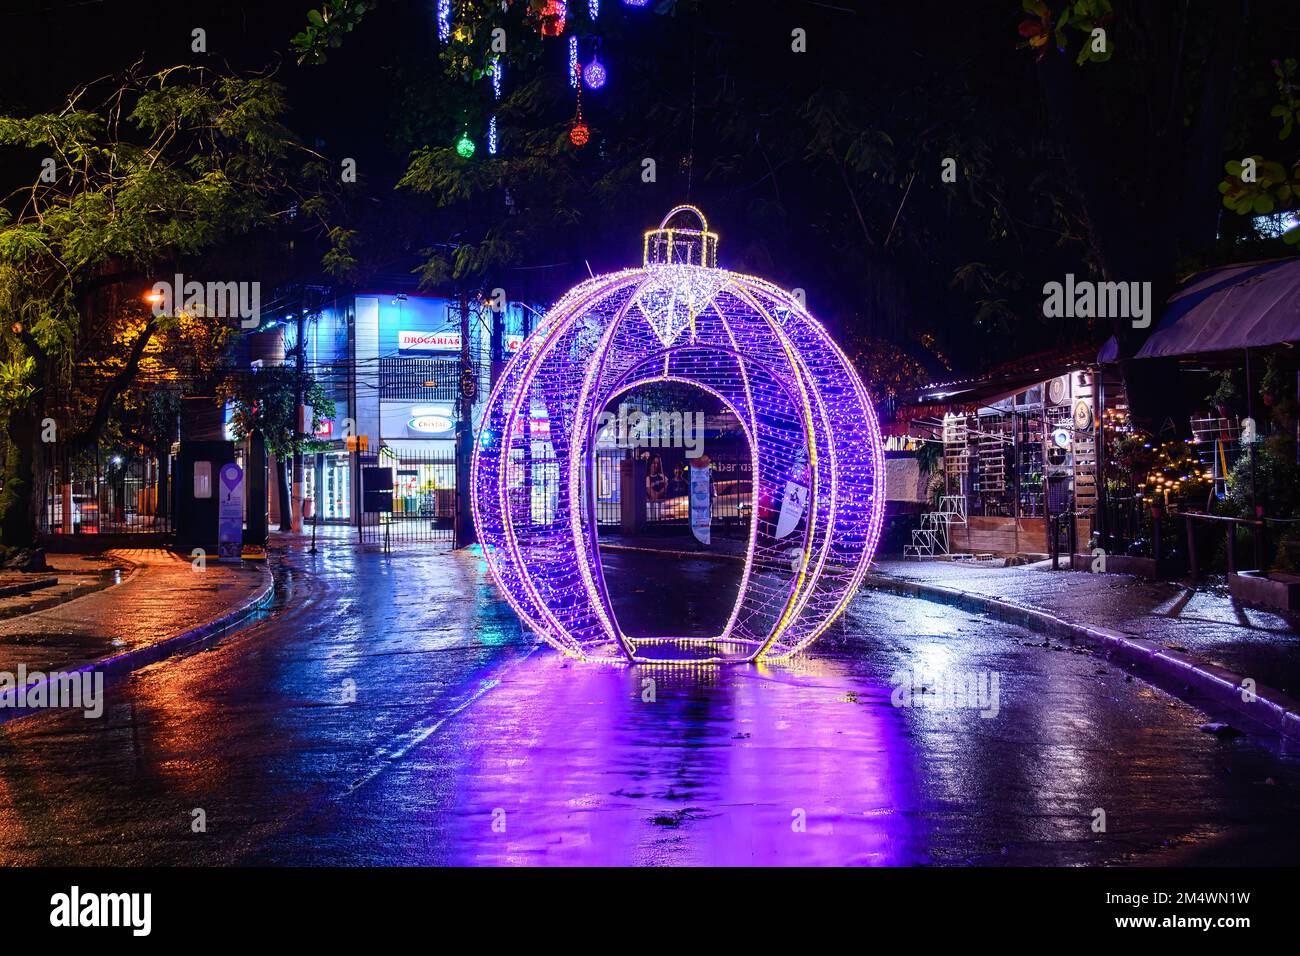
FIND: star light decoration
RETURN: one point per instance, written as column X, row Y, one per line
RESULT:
column 816, row 455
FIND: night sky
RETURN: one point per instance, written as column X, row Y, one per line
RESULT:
column 713, row 92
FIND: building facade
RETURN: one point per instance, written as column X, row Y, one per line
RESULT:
column 397, row 366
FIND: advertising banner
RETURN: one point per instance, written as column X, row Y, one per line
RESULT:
column 701, row 501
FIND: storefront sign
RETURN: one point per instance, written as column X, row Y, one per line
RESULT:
column 409, row 342
column 430, row 424
column 230, row 513
column 428, row 341
column 325, row 429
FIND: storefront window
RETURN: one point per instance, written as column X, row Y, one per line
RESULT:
column 425, row 489
column 335, row 492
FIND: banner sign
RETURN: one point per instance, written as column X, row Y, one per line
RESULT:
column 701, row 501
column 230, row 513
column 793, row 503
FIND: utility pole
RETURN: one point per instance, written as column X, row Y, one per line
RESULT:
column 300, row 348
column 464, row 524
column 497, row 343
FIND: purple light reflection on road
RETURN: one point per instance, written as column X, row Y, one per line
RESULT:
column 711, row 773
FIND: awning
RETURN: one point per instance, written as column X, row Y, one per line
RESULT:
column 1003, row 382
column 1243, row 306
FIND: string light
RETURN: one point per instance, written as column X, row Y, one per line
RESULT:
column 444, row 20
column 574, row 70
column 492, row 136
column 816, row 456
column 593, row 8
column 496, row 78
column 579, row 134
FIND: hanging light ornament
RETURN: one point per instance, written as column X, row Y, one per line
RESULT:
column 496, row 78
column 635, row 3
column 465, row 145
column 492, row 136
column 574, row 69
column 593, row 8
column 444, row 20
column 579, row 134
column 593, row 74
column 553, row 15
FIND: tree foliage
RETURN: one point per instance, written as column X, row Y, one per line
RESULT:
column 264, row 401
column 141, row 176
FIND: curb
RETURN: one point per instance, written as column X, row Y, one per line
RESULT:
column 128, row 571
column 1268, row 707
column 26, row 587
column 115, row 667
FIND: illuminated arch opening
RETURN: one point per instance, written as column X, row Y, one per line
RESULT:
column 816, row 452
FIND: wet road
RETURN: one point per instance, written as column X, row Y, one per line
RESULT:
column 390, row 711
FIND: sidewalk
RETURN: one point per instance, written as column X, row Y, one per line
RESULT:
column 1193, row 627
column 70, row 576
column 160, row 598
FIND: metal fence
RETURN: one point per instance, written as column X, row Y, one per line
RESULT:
column 407, row 498
column 105, row 493
column 666, row 492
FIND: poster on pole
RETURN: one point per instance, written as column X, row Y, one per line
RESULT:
column 701, row 500
column 230, row 514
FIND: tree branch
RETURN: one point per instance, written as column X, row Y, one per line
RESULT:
column 113, row 391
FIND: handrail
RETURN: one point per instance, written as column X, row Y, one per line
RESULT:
column 1202, row 516
column 1259, row 524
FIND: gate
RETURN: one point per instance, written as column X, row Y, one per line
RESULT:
column 665, row 491
column 98, row 492
column 407, row 498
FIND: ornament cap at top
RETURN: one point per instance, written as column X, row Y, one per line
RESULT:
column 681, row 245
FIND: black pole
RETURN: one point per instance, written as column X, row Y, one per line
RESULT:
column 464, row 523
column 1254, row 503
column 1100, row 522
column 315, row 512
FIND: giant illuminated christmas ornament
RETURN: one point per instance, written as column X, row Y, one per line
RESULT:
column 816, row 455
